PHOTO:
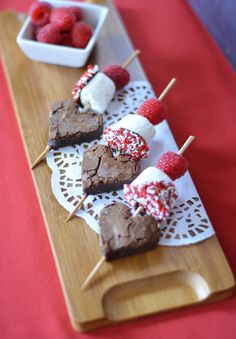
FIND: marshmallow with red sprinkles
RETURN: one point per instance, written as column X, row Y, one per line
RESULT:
column 154, row 191
column 83, row 81
column 137, row 130
column 125, row 141
column 136, row 134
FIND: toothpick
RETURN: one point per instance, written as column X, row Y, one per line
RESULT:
column 138, row 210
column 102, row 260
column 41, row 156
column 78, row 205
column 131, row 58
column 186, row 144
column 86, row 107
column 168, row 87
column 93, row 272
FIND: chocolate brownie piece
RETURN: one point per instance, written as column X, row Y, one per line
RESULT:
column 121, row 235
column 102, row 172
column 67, row 126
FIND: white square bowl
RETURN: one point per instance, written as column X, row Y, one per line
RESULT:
column 93, row 15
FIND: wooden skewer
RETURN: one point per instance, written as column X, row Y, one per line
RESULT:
column 70, row 216
column 186, row 144
column 131, row 58
column 86, row 107
column 138, row 210
column 102, row 260
column 168, row 87
column 93, row 272
column 41, row 156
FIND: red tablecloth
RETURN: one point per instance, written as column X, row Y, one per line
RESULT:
column 173, row 43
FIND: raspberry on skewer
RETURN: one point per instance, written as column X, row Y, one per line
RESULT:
column 119, row 75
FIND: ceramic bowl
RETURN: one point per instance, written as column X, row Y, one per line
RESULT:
column 93, row 15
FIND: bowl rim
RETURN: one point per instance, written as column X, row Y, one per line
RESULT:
column 102, row 17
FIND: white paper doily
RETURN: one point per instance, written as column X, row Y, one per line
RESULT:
column 188, row 223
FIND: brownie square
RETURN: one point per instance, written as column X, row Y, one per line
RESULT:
column 68, row 126
column 102, row 172
column 121, row 235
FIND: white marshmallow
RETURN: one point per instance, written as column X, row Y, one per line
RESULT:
column 98, row 92
column 151, row 174
column 138, row 124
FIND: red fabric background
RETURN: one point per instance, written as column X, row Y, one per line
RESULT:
column 173, row 43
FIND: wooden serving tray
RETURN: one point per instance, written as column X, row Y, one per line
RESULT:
column 156, row 281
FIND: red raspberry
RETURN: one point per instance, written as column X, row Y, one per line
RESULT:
column 154, row 110
column 40, row 13
column 62, row 18
column 49, row 34
column 118, row 75
column 173, row 164
column 77, row 12
column 80, row 34
column 66, row 40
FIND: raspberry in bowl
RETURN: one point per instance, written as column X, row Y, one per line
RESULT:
column 61, row 32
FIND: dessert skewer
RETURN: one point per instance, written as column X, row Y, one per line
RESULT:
column 164, row 195
column 88, row 91
column 133, row 133
column 95, row 89
column 139, row 127
column 153, row 191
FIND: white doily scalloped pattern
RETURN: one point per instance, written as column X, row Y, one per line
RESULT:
column 188, row 222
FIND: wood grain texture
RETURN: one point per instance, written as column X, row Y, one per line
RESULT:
column 160, row 280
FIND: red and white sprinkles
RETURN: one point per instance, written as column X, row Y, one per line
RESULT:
column 156, row 198
column 124, row 141
column 83, row 81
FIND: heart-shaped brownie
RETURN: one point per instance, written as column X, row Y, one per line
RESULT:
column 121, row 235
column 68, row 126
column 102, row 172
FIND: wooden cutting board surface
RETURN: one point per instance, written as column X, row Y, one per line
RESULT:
column 163, row 279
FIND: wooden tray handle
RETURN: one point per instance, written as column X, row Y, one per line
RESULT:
column 121, row 302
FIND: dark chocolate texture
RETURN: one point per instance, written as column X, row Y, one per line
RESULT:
column 102, row 172
column 121, row 235
column 67, row 126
